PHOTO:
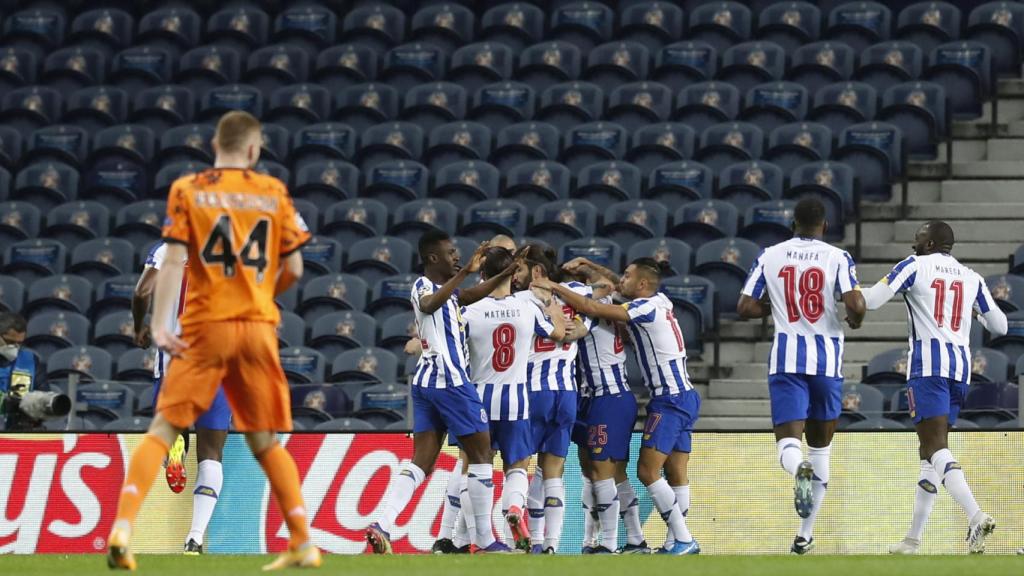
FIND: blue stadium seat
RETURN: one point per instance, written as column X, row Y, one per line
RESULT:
column 859, row 24
column 140, row 67
column 720, row 24
column 18, row 68
column 789, row 24
column 378, row 26
column 583, row 24
column 964, row 69
column 294, row 107
column 769, row 223
column 96, row 108
column 600, row 250
column 447, row 26
column 657, row 144
column 12, row 294
column 65, row 292
column 303, row 365
column 821, row 63
column 1007, row 290
column 587, row 144
column 455, row 142
column 843, row 104
column 52, row 331
column 28, row 260
column 638, row 104
column 220, row 100
column 561, row 221
column 388, row 142
column 115, row 333
column 38, row 30
column 19, row 221
column 276, row 66
column 567, row 104
column 751, row 63
column 241, row 28
column 325, row 182
column 725, row 144
column 989, row 365
column 928, row 24
column 364, row 105
column 615, row 63
column 171, row 172
column 410, row 65
column 377, row 258
column 475, row 65
column 676, row 253
column 634, row 221
column 337, row 332
column 747, row 183
column 332, row 293
column 322, row 255
column 106, row 29
column 345, row 65
column 310, row 214
column 10, row 152
column 769, row 106
column 919, row 110
column 383, row 404
column 30, row 108
column 678, row 182
column 323, row 142
column 605, row 183
column 830, row 182
column 516, row 25
column 548, row 63
column 481, row 221
column 163, row 107
column 137, row 366
column 113, row 295
column 367, row 365
column 45, row 185
column 501, row 104
column 75, row 222
column 174, row 29
column 726, row 262
column 707, row 103
column 434, row 104
column 352, row 220
column 413, row 219
column 861, row 402
column 889, row 63
column 984, row 404
column 60, row 143
column 463, row 183
column 391, row 296
column 651, row 24
column 792, row 145
column 396, row 181
column 276, row 142
column 873, row 150
column 206, row 67
column 311, row 27
column 106, row 402
column 72, row 68
column 998, row 26
column 533, row 183
column 291, row 331
column 524, row 142
column 102, row 258
column 694, row 304
column 396, row 331
column 189, row 143
column 681, row 64
column 1012, row 343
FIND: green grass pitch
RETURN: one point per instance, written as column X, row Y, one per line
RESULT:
column 425, row 565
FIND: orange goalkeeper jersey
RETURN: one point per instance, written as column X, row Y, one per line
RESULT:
column 238, row 225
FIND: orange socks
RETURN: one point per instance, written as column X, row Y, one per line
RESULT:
column 280, row 468
column 142, row 470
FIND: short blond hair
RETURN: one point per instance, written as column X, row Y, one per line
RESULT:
column 233, row 131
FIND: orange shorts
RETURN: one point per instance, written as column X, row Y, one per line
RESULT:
column 241, row 356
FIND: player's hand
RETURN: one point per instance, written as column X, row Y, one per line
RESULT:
column 478, row 257
column 576, row 265
column 544, row 284
column 143, row 338
column 853, row 325
column 413, row 347
column 169, row 342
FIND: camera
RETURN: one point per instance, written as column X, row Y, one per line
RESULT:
column 27, row 411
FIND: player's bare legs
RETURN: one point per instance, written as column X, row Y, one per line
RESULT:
column 648, row 470
column 209, row 481
column 142, row 470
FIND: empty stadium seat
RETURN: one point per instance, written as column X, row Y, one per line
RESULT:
column 769, row 223
column 789, row 24
column 562, row 221
column 726, row 263
column 747, row 183
column 368, row 365
column 52, row 331
column 859, row 24
column 928, row 24
column 720, row 24
column 463, row 183
column 336, row 332
column 680, row 64
column 64, row 292
column 819, row 64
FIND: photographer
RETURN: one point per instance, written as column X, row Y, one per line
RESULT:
column 20, row 373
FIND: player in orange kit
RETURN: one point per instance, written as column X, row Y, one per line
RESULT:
column 241, row 235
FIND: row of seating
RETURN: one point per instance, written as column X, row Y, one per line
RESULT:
column 992, row 362
column 987, row 404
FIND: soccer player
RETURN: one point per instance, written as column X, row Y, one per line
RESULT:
column 501, row 333
column 796, row 282
column 241, row 234
column 211, row 427
column 444, row 399
column 941, row 294
column 658, row 343
column 610, row 418
column 551, row 375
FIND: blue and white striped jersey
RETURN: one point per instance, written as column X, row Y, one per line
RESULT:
column 658, row 343
column 443, row 363
column 603, row 359
column 940, row 294
column 155, row 260
column 500, row 332
column 803, row 278
column 553, row 365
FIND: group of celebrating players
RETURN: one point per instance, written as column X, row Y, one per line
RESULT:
column 524, row 362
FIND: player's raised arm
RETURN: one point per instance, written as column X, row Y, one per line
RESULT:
column 592, row 271
column 474, row 294
column 753, row 301
column 549, row 321
column 990, row 315
column 584, row 305
column 899, row 279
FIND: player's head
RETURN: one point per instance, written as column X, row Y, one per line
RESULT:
column 933, row 237
column 503, row 241
column 809, row 218
column 439, row 255
column 641, row 278
column 237, row 141
column 496, row 260
column 537, row 263
column 12, row 335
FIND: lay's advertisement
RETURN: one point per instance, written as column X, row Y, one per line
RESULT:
column 58, row 494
